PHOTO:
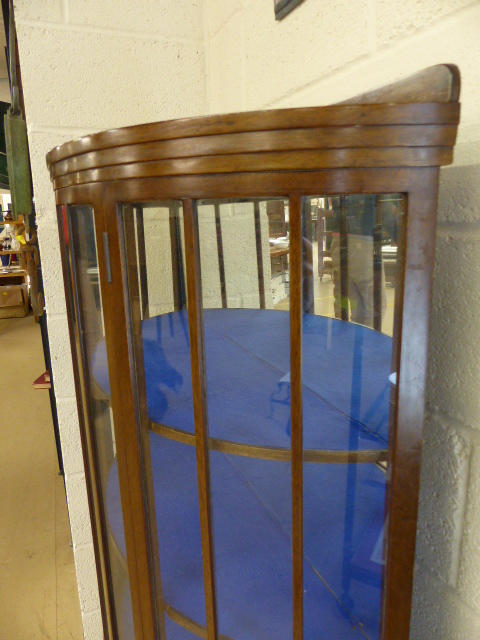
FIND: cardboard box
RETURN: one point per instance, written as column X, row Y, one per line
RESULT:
column 13, row 301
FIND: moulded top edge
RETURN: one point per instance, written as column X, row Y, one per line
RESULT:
column 307, row 117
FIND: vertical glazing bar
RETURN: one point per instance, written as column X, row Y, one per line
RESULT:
column 134, row 328
column 343, row 259
column 351, row 488
column 130, row 435
column 86, row 420
column 142, row 260
column 307, row 254
column 197, row 355
column 296, row 284
column 320, row 224
column 377, row 267
column 177, row 260
column 406, row 453
column 221, row 262
column 259, row 249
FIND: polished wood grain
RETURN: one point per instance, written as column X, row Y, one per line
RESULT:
column 131, row 438
column 406, row 452
column 296, row 389
column 263, row 141
column 132, row 267
column 278, row 454
column 419, row 113
column 243, row 185
column 250, row 162
column 200, row 411
column 392, row 143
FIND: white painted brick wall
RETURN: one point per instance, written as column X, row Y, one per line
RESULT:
column 89, row 65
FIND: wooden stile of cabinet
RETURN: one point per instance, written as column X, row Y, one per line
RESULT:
column 392, row 140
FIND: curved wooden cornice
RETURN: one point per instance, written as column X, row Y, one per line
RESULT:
column 374, row 134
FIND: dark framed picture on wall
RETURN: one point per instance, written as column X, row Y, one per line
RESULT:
column 282, row 7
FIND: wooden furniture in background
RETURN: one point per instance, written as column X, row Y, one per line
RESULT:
column 14, row 295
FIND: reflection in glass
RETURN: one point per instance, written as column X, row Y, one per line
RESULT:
column 247, row 354
column 349, row 273
column 244, row 253
column 349, row 286
column 353, row 243
column 155, row 268
column 83, row 263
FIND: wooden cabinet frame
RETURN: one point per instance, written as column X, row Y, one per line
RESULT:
column 391, row 141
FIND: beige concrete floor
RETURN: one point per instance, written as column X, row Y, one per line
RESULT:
column 38, row 590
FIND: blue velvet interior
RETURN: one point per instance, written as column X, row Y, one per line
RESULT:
column 345, row 366
column 247, row 356
column 252, row 530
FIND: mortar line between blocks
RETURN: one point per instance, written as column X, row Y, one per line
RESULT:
column 65, row 12
column 80, row 131
column 79, row 28
column 459, row 526
column 92, row 612
column 74, row 475
column 65, row 399
column 377, row 56
column 459, row 230
column 444, row 586
column 57, row 316
column 82, row 547
column 472, row 434
column 224, row 23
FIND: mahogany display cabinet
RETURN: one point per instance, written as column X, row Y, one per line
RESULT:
column 252, row 435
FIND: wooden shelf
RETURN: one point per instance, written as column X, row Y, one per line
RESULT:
column 13, row 272
column 275, row 253
column 10, row 276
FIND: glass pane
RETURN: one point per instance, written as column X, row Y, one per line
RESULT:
column 155, row 260
column 82, row 259
column 247, row 355
column 350, row 267
column 244, row 253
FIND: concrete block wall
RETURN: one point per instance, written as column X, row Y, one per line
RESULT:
column 88, row 66
column 324, row 52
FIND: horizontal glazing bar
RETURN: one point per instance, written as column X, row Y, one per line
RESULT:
column 279, row 454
